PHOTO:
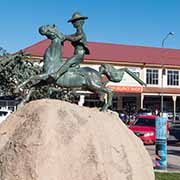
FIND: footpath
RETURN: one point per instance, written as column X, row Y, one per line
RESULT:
column 173, row 155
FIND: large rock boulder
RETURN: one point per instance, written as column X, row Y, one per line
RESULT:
column 55, row 140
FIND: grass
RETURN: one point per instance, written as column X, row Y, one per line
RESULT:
column 167, row 176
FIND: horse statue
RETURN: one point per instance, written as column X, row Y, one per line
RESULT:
column 85, row 78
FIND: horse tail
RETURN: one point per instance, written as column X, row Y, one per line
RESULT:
column 114, row 75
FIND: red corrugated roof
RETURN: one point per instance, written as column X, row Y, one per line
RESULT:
column 117, row 53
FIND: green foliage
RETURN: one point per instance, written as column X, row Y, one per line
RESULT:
column 167, row 176
column 14, row 69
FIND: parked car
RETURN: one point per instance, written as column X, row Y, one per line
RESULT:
column 175, row 131
column 144, row 128
column 144, row 112
column 4, row 113
column 141, row 112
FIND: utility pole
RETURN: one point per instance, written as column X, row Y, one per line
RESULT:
column 162, row 72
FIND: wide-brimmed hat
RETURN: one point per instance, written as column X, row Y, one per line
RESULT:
column 76, row 16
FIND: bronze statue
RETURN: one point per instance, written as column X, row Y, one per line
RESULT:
column 85, row 77
column 79, row 41
column 68, row 74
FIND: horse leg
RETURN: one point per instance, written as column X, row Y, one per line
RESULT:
column 109, row 93
column 51, row 90
column 108, row 103
column 100, row 89
column 37, row 77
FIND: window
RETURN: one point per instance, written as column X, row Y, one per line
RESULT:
column 152, row 76
column 173, row 78
column 3, row 113
column 135, row 70
column 137, row 74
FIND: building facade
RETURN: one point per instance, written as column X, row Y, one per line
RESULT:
column 159, row 68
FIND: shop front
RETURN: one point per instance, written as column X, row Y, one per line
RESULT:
column 171, row 104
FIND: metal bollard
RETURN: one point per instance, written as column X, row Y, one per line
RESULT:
column 161, row 143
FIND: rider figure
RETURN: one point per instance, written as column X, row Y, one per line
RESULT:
column 78, row 40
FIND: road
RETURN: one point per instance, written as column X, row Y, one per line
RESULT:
column 173, row 155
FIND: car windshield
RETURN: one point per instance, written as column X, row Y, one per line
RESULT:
column 144, row 112
column 145, row 122
column 3, row 113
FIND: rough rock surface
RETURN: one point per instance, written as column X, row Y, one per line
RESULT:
column 55, row 140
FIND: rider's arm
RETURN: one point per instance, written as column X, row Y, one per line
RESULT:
column 74, row 37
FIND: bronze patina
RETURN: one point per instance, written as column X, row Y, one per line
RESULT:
column 78, row 41
column 57, row 73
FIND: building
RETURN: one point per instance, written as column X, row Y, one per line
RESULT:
column 159, row 68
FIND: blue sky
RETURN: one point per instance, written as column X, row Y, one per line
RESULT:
column 132, row 22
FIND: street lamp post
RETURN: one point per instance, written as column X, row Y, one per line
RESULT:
column 161, row 126
column 167, row 35
column 162, row 46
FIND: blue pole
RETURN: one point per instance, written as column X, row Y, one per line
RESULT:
column 161, row 143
